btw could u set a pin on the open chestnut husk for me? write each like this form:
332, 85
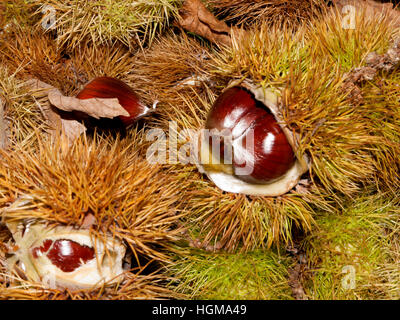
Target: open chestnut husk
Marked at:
246, 147
107, 87
64, 257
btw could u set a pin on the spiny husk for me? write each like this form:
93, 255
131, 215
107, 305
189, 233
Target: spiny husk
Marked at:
62, 183
16, 12
23, 117
29, 53
348, 48
362, 241
162, 71
105, 21
337, 40
337, 135
232, 220
135, 287
382, 110
257, 275
89, 62
247, 12
347, 153
32, 53
129, 198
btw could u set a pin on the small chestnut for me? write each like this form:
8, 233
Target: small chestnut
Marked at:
65, 254
258, 143
107, 87
65, 257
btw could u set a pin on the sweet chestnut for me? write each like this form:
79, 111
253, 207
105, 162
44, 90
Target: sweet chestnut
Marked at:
65, 254
259, 157
107, 87
239, 112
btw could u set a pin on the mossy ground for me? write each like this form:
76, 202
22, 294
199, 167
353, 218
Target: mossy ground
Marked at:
347, 214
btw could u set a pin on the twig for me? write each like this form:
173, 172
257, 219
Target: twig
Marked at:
296, 273
3, 125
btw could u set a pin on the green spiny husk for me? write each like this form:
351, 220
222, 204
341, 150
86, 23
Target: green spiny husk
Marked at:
131, 23
257, 275
362, 242
349, 155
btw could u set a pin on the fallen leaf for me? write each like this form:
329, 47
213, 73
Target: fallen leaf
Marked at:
94, 107
196, 18
71, 128
296, 273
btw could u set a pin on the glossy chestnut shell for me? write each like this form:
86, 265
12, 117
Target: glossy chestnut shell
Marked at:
247, 112
237, 111
107, 87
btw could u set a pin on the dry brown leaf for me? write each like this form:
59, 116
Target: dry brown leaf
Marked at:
94, 107
71, 128
374, 63
196, 18
297, 272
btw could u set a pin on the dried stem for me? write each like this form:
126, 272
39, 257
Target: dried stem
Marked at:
3, 125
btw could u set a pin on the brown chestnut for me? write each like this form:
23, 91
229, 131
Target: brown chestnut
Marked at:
239, 112
65, 254
107, 87
65, 257
247, 115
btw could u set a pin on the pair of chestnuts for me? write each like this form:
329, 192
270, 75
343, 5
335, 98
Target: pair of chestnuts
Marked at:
262, 157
